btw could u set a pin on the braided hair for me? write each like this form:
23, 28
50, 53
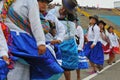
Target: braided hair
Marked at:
6, 5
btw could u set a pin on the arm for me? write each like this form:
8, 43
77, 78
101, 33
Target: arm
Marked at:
59, 26
60, 30
3, 44
96, 34
3, 47
81, 36
35, 22
117, 38
36, 27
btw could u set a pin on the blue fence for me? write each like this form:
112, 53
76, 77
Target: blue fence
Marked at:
113, 19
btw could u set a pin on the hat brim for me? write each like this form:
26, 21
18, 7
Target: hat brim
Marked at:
92, 17
70, 11
102, 23
69, 7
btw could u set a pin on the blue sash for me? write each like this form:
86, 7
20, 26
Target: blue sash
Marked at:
45, 24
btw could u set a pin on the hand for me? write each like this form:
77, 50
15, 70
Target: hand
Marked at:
41, 49
55, 42
86, 39
92, 46
6, 59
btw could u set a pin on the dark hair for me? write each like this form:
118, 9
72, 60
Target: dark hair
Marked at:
94, 25
52, 25
110, 28
96, 19
103, 27
71, 17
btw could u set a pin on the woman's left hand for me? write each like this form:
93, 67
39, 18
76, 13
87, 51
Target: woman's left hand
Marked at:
55, 42
41, 49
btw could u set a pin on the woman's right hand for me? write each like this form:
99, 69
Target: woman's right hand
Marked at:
6, 59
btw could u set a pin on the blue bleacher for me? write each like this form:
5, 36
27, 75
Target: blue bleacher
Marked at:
113, 19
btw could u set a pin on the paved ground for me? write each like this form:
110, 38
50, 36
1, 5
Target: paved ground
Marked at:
112, 73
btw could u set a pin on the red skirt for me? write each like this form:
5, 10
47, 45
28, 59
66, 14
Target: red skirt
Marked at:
106, 49
116, 50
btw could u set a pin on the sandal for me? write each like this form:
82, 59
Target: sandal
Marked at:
109, 63
92, 72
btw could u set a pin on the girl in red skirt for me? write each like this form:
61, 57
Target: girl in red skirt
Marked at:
104, 39
114, 44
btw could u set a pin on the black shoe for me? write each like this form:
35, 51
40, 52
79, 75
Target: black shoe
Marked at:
114, 61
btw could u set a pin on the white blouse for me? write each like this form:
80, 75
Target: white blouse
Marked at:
70, 29
113, 40
80, 34
101, 39
59, 26
55, 11
49, 37
68, 25
1, 5
3, 44
28, 9
94, 34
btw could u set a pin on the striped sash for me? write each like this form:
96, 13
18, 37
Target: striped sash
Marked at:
19, 21
45, 24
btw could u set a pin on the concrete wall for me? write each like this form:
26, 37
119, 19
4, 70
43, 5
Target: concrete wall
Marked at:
117, 4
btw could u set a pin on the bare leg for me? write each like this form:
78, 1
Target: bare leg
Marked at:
111, 58
67, 75
93, 66
78, 74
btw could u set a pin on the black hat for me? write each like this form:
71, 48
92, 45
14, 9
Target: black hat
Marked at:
94, 17
70, 5
76, 19
101, 21
48, 1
